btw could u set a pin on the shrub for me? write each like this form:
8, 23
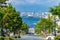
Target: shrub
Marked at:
17, 36
57, 38
9, 38
6, 38
1, 38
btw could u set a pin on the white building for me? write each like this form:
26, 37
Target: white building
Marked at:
31, 30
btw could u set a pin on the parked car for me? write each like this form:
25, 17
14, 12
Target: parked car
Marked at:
50, 37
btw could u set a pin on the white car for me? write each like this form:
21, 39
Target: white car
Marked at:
50, 37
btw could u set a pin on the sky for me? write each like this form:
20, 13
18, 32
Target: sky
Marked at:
33, 5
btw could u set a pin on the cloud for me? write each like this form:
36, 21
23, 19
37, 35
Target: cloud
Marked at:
16, 2
34, 1
34, 4
31, 1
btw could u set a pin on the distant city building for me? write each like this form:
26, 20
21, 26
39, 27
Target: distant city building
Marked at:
34, 14
31, 31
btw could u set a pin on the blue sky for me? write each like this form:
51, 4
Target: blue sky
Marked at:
34, 5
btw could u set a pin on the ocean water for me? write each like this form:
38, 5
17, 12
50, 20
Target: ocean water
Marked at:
31, 21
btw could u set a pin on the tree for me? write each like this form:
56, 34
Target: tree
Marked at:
45, 25
2, 4
25, 27
55, 10
3, 1
11, 18
40, 26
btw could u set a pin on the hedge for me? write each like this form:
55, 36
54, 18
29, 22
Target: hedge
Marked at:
57, 38
9, 38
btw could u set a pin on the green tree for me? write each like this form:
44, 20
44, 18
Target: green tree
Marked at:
24, 27
45, 25
3, 1
55, 10
11, 18
40, 26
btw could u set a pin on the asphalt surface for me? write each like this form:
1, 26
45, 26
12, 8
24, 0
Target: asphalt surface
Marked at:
27, 37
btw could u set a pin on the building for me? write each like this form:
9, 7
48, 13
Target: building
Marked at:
31, 31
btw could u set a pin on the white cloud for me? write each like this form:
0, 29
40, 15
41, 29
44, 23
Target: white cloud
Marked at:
17, 2
31, 1
34, 1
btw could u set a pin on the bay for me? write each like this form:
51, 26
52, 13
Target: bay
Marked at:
31, 21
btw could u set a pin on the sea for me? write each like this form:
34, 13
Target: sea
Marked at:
30, 20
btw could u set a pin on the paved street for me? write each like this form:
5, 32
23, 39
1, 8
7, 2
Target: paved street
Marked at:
26, 37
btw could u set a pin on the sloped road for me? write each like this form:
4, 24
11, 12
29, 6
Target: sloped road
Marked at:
26, 37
